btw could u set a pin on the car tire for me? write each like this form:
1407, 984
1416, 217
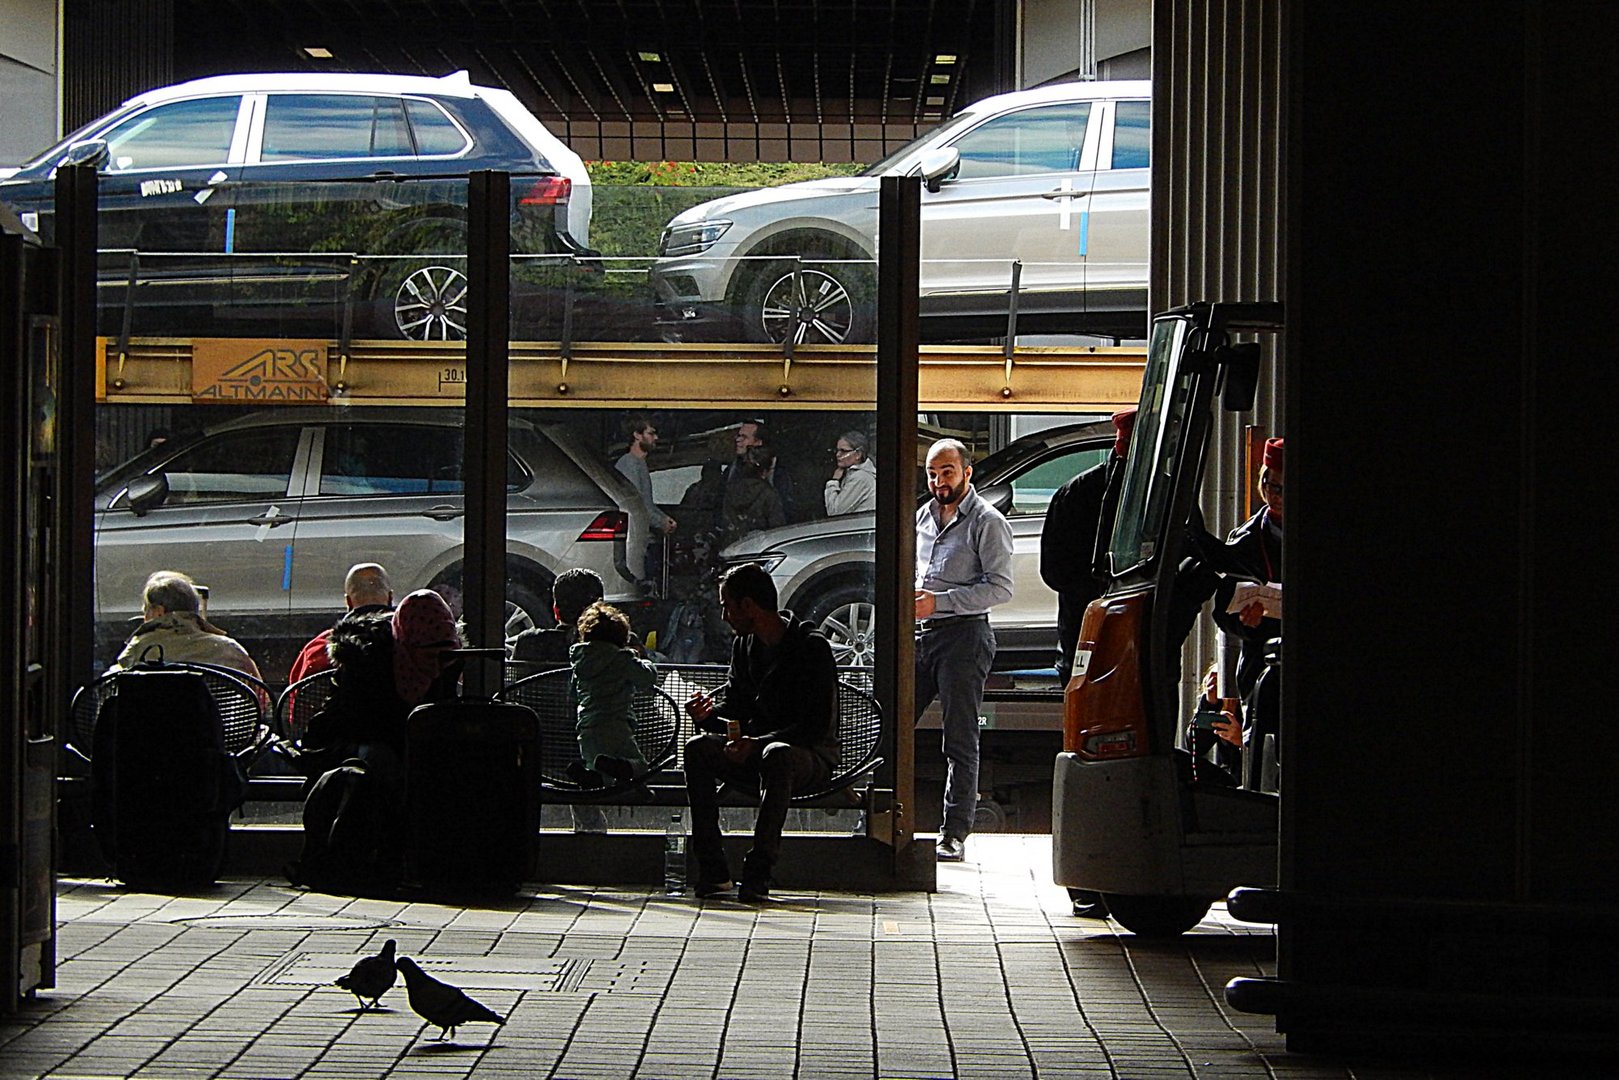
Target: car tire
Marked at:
834, 301
1156, 916
528, 606
526, 609
848, 618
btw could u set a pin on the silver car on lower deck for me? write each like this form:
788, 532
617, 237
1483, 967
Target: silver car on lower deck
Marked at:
271, 509
824, 570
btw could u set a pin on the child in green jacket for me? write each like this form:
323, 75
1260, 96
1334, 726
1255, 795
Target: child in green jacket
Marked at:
607, 673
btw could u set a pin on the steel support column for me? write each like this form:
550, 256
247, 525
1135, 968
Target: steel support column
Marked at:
483, 572
899, 243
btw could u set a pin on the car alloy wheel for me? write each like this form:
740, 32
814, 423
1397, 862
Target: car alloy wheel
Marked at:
819, 311
852, 630
431, 305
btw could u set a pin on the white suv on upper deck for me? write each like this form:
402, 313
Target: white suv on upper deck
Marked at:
1054, 179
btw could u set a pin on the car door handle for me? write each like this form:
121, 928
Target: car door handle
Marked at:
442, 513
272, 520
384, 174
1061, 193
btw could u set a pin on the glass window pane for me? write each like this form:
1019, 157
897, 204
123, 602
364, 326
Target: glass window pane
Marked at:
391, 459
390, 136
180, 135
1031, 492
319, 126
1132, 142
240, 467
1032, 141
435, 133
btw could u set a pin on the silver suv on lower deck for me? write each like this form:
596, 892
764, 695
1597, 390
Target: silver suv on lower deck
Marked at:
823, 569
270, 510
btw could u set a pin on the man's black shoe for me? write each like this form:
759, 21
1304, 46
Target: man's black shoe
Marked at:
705, 890
753, 892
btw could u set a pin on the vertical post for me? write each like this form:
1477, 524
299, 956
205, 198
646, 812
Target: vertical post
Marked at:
898, 328
483, 574
73, 560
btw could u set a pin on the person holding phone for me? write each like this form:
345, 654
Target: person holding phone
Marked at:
776, 732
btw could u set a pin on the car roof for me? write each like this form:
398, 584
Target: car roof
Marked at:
457, 84
1092, 90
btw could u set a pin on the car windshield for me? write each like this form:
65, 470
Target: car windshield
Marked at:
54, 152
949, 127
1154, 449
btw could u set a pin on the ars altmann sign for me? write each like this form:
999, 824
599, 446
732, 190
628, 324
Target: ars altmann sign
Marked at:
239, 370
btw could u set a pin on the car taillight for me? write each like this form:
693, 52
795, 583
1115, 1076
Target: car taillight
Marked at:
609, 525
1104, 710
547, 191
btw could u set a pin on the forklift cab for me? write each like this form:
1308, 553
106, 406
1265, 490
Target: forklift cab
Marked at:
1130, 818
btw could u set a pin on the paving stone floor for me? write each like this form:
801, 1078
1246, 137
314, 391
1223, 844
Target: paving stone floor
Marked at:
989, 977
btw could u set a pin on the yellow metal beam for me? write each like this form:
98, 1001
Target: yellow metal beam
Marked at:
606, 375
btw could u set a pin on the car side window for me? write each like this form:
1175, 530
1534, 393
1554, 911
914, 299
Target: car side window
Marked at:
1132, 138
436, 134
324, 126
181, 134
242, 466
391, 459
1043, 140
1032, 492
399, 459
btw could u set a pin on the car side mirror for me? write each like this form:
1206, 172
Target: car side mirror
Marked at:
999, 496
1240, 364
88, 152
939, 165
146, 493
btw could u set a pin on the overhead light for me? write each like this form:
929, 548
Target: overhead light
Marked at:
935, 101
663, 87
939, 80
932, 116
649, 57
945, 58
317, 52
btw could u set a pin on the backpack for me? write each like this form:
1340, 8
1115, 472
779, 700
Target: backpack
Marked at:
350, 816
162, 786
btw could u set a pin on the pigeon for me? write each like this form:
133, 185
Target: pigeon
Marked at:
440, 1004
371, 976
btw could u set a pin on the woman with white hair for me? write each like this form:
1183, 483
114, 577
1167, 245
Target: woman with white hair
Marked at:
171, 610
853, 487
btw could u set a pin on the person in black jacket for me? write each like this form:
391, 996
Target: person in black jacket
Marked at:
1077, 519
1252, 553
776, 731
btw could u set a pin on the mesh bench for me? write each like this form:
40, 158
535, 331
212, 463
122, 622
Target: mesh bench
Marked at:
239, 697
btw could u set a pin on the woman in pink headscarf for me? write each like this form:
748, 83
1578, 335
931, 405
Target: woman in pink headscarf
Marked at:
424, 634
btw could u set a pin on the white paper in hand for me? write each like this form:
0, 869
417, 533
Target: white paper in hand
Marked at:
1269, 594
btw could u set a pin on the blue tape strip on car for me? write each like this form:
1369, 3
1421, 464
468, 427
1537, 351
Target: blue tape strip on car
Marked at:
230, 231
286, 570
1084, 230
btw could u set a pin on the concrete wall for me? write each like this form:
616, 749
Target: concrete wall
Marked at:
29, 122
1065, 39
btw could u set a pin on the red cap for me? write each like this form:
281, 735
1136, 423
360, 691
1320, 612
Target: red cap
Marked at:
1124, 422
1274, 454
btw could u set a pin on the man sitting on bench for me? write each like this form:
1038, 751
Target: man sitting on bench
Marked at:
776, 731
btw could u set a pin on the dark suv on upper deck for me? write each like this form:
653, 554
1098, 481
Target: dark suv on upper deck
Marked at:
282, 202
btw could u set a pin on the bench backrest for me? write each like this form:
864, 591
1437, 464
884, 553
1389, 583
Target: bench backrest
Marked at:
655, 719
239, 697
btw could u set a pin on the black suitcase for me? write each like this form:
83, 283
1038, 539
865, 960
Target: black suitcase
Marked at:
162, 785
471, 794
